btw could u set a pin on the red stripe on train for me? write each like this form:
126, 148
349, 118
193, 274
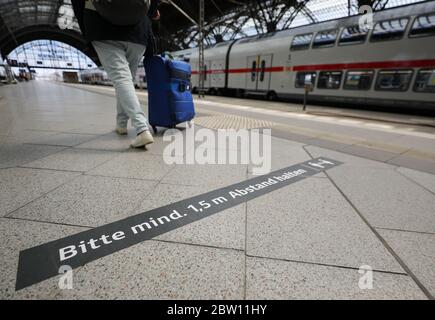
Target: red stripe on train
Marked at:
270, 69
338, 66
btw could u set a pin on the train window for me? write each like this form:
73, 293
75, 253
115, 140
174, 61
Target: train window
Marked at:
301, 42
353, 35
389, 30
425, 81
423, 26
394, 80
254, 71
358, 80
329, 79
263, 70
305, 77
325, 39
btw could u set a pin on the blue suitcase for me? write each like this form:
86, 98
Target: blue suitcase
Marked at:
170, 99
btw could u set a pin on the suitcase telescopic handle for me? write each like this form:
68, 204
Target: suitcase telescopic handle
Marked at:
167, 54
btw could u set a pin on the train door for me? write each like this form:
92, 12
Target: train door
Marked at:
217, 74
207, 74
195, 75
264, 72
252, 75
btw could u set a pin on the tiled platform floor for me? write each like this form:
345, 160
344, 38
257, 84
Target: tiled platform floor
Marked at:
64, 170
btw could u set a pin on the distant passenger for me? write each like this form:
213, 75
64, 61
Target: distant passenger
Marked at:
120, 49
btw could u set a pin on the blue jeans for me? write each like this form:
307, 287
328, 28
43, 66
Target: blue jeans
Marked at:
120, 60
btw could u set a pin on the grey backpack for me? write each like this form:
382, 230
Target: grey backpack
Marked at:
122, 12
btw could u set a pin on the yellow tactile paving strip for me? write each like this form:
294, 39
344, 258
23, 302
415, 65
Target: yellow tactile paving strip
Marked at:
232, 122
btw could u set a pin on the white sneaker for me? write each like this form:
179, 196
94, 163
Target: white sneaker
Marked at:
142, 140
121, 131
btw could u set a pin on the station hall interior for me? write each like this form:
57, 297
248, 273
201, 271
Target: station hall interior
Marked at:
341, 96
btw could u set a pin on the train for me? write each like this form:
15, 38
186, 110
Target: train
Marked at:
97, 76
388, 63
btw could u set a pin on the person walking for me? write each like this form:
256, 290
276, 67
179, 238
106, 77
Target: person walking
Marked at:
120, 49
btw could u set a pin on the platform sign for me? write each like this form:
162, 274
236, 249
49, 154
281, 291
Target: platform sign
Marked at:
44, 261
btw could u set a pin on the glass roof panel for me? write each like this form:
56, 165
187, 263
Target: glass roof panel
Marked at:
17, 14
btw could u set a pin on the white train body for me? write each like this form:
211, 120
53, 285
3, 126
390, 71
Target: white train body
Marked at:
392, 64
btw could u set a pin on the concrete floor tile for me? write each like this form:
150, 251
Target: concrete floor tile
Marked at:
348, 160
164, 140
219, 145
206, 175
421, 143
19, 186
158, 270
64, 139
327, 144
369, 153
310, 221
386, 198
26, 136
16, 154
285, 154
17, 235
2, 139
111, 142
417, 250
283, 134
282, 280
279, 141
424, 179
73, 160
420, 164
136, 164
225, 229
93, 129
47, 125
4, 128
88, 201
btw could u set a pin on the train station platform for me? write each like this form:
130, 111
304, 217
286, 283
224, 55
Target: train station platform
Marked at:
362, 229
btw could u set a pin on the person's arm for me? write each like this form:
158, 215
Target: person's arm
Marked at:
79, 8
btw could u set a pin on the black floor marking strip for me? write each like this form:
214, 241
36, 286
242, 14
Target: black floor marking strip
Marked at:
44, 261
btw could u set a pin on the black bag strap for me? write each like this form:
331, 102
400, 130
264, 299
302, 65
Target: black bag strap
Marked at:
167, 54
